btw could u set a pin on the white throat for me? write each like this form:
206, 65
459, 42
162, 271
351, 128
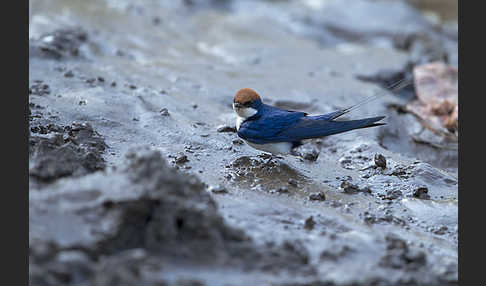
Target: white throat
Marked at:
243, 114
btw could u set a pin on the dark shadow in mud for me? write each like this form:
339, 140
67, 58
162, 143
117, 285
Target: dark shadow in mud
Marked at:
387, 78
275, 175
406, 135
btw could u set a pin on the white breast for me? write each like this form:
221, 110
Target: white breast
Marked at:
242, 114
274, 148
239, 120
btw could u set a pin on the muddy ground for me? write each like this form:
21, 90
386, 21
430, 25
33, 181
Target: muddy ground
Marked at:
138, 178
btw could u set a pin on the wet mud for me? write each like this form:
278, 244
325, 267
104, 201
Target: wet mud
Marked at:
137, 175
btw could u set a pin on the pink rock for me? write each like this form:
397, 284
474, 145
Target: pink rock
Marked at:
436, 87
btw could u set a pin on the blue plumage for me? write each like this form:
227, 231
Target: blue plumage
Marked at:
271, 125
278, 131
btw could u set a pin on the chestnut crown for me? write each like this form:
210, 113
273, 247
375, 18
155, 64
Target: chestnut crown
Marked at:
246, 97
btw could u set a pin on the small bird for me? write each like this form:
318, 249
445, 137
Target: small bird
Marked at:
278, 131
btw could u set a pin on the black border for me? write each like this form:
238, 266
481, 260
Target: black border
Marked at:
470, 194
15, 191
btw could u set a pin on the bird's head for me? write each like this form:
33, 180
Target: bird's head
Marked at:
246, 102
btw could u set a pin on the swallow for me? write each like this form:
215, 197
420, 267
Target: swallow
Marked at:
278, 131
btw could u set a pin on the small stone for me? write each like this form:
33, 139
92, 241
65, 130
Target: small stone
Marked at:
380, 161
219, 189
349, 188
309, 223
113, 84
317, 197
442, 230
90, 80
421, 193
311, 155
238, 142
392, 195
164, 112
293, 182
181, 158
69, 74
226, 128
39, 89
101, 79
282, 190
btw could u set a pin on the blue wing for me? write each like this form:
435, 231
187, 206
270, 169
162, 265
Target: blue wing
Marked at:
267, 124
276, 125
320, 126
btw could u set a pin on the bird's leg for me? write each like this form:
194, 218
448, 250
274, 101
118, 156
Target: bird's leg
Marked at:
269, 160
269, 157
297, 155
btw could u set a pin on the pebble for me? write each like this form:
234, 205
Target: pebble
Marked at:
238, 142
226, 128
317, 197
380, 161
293, 182
219, 189
421, 193
309, 223
164, 112
181, 158
281, 190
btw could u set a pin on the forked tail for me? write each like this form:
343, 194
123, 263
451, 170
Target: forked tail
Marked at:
335, 127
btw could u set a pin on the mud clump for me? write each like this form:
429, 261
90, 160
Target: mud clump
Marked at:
335, 253
59, 44
39, 88
157, 215
54, 267
379, 218
421, 193
350, 188
320, 196
73, 150
174, 215
400, 256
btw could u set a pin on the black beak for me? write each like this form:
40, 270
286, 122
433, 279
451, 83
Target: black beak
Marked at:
237, 105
